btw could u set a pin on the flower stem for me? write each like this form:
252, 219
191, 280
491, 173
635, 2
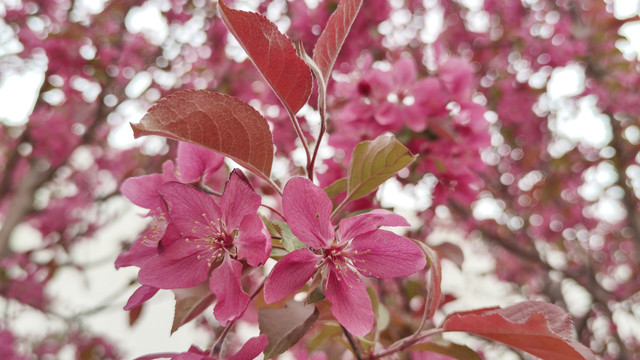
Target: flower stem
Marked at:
352, 342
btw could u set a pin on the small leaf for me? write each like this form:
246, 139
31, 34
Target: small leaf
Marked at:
286, 326
214, 121
374, 162
332, 38
447, 348
435, 279
190, 303
272, 53
539, 328
336, 188
289, 241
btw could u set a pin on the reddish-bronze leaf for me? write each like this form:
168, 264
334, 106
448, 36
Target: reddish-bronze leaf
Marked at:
286, 326
539, 328
215, 121
273, 54
331, 40
190, 303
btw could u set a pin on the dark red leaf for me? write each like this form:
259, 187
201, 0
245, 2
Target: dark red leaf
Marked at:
215, 121
272, 53
539, 328
331, 40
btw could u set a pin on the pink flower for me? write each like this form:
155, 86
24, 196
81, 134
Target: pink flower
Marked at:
213, 234
357, 247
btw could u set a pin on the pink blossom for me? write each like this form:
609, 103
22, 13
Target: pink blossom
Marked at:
357, 247
213, 234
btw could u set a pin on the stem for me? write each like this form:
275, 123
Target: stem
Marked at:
322, 103
215, 351
352, 342
274, 211
296, 126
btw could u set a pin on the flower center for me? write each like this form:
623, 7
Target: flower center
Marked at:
212, 239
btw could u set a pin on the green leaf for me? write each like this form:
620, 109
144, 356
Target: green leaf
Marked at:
285, 327
374, 162
447, 348
336, 188
289, 241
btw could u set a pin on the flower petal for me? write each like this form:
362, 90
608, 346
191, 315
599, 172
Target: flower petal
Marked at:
226, 286
142, 294
364, 223
350, 303
143, 191
196, 162
252, 348
290, 274
253, 241
384, 254
194, 213
239, 199
308, 211
166, 272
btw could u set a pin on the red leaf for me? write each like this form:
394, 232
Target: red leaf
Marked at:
333, 36
539, 328
215, 121
272, 53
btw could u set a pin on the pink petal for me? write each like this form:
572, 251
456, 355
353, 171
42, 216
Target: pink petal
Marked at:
404, 72
384, 254
196, 162
364, 223
142, 294
252, 348
308, 211
350, 303
226, 286
166, 272
290, 274
143, 191
253, 241
194, 213
238, 200
139, 253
